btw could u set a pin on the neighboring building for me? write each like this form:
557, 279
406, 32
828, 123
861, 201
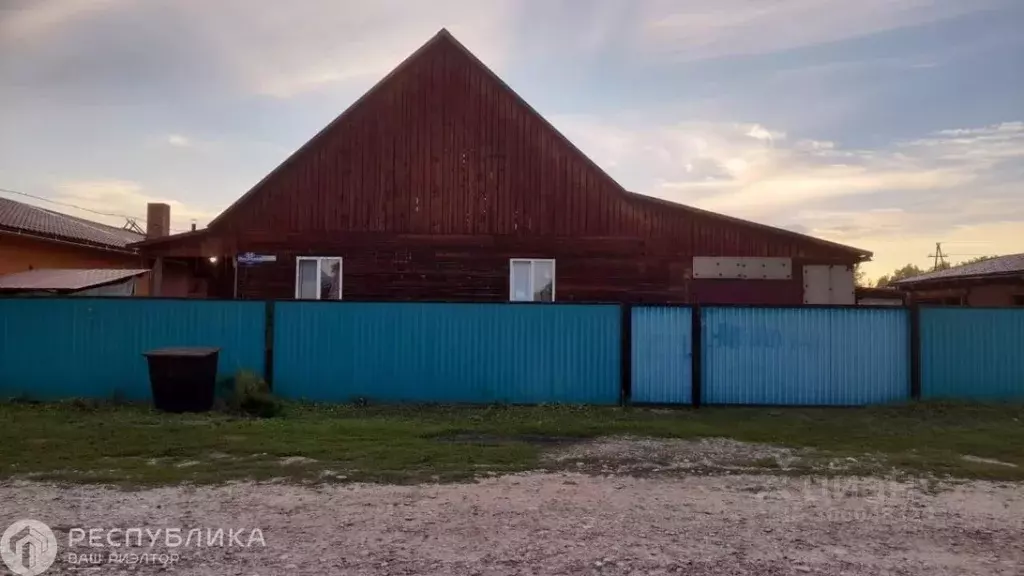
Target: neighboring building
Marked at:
879, 297
33, 238
994, 282
441, 183
54, 247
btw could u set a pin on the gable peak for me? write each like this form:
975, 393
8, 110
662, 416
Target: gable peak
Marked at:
443, 35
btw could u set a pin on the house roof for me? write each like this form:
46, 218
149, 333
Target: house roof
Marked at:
764, 227
36, 221
64, 279
444, 36
170, 238
1012, 264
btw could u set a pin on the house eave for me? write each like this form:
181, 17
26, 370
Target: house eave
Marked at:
928, 283
127, 250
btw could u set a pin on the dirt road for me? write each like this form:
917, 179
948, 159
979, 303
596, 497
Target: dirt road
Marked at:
549, 524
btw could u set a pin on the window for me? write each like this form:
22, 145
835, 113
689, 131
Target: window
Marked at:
532, 280
317, 278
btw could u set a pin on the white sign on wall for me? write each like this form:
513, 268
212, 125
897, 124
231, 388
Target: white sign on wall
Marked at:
711, 267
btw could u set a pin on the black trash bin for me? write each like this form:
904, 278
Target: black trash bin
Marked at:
183, 379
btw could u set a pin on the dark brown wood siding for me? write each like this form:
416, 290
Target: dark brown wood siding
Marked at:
429, 184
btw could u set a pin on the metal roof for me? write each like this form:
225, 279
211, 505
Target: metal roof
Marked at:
64, 278
999, 266
36, 221
796, 236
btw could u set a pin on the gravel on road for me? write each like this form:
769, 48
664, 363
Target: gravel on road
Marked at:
552, 523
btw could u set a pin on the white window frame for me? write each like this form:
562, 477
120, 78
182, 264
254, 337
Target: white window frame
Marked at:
532, 262
319, 263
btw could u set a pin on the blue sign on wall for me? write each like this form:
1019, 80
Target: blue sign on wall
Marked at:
250, 258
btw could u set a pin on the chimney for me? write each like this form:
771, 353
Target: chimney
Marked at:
158, 220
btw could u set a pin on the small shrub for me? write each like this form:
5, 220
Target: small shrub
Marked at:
262, 405
246, 383
250, 395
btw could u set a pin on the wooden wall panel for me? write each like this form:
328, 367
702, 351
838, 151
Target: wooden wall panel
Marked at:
384, 267
441, 148
468, 269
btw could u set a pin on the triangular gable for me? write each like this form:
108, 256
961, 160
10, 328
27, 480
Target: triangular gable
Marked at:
589, 201
516, 115
442, 35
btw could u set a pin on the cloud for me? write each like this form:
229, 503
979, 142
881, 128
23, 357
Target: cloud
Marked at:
896, 200
179, 141
192, 144
30, 20
121, 197
760, 133
285, 50
279, 49
714, 29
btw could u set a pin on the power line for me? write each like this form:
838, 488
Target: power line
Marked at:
940, 257
131, 219
69, 205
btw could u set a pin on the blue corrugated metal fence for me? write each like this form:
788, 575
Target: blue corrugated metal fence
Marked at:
482, 353
475, 353
92, 347
804, 356
662, 355
975, 354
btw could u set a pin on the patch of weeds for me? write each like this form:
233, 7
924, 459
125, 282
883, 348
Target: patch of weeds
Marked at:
250, 395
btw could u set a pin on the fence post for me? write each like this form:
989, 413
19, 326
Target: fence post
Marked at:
626, 342
268, 345
915, 352
695, 354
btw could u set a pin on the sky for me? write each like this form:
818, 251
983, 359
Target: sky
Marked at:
888, 125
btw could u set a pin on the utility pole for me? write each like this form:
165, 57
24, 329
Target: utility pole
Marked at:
939, 256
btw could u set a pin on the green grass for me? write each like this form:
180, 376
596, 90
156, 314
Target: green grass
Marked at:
137, 446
